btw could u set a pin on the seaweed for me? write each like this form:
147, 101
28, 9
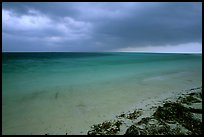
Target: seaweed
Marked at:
179, 113
134, 115
173, 118
189, 100
132, 130
105, 128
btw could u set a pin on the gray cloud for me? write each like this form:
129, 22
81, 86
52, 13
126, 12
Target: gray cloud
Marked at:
98, 26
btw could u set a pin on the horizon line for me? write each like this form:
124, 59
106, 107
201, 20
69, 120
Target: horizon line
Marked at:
99, 51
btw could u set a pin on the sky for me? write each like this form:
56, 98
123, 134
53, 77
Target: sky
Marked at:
102, 27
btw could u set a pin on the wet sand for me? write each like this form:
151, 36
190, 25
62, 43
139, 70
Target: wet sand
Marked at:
59, 93
178, 114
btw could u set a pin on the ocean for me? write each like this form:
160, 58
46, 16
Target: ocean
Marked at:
67, 92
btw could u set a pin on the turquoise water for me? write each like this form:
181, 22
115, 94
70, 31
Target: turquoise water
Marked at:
60, 93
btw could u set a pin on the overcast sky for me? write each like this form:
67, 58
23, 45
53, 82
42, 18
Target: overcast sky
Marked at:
101, 26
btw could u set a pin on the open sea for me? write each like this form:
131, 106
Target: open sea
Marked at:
67, 92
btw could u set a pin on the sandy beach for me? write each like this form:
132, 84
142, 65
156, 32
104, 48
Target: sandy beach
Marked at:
97, 68
67, 93
169, 114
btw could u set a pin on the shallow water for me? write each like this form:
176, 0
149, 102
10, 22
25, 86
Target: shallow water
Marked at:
59, 93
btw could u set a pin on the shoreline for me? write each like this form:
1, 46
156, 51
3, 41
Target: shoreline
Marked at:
66, 93
146, 118
142, 118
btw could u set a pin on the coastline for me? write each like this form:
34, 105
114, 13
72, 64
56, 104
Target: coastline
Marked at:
47, 94
153, 116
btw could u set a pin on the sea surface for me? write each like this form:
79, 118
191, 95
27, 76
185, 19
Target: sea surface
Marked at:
59, 92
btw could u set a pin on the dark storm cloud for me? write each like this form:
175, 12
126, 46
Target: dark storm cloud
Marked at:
99, 26
158, 25
54, 8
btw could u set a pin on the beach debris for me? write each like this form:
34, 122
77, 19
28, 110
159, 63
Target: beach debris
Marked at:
196, 88
121, 115
105, 128
172, 117
189, 99
148, 126
166, 115
177, 112
134, 115
133, 130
